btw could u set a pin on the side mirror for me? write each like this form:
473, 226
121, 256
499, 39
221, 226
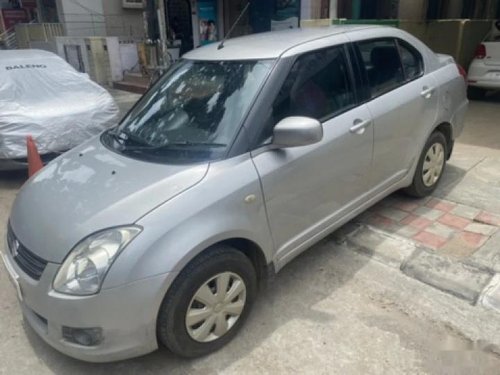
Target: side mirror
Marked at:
297, 131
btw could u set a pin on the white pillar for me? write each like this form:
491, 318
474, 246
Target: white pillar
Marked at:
333, 9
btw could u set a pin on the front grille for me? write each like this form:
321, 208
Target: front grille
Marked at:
30, 263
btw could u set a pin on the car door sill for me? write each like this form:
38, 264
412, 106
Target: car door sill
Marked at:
280, 262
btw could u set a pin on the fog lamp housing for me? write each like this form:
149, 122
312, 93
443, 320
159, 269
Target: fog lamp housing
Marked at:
83, 336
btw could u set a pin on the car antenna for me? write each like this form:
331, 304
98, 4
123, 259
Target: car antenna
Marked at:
221, 45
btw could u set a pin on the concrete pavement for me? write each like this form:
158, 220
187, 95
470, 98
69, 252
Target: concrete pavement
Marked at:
454, 236
358, 302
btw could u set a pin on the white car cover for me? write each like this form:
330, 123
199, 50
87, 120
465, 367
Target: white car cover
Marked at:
43, 96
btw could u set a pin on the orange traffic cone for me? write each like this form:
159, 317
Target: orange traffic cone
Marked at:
34, 159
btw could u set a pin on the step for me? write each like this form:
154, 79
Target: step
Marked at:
136, 78
131, 87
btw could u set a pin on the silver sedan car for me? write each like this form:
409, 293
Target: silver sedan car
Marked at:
163, 230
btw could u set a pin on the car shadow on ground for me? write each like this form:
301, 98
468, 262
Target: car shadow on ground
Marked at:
492, 97
12, 179
481, 122
10, 182
296, 291
293, 296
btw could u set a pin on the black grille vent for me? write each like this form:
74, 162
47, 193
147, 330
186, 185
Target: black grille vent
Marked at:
30, 263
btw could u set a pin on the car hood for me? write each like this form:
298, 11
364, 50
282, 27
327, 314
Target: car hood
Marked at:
88, 189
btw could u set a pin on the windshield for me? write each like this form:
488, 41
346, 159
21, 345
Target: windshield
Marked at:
192, 114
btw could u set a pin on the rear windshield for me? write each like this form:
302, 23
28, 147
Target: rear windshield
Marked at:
493, 38
494, 34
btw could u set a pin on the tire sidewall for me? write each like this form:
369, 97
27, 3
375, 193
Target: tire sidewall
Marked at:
171, 321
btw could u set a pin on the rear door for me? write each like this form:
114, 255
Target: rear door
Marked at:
308, 188
402, 101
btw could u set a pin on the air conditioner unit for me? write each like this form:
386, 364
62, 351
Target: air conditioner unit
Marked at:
132, 4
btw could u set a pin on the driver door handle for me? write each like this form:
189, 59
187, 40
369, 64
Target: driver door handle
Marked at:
359, 126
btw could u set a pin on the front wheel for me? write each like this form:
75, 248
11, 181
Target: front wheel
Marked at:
207, 303
430, 166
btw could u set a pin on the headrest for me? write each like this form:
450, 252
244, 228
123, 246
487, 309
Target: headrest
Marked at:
386, 56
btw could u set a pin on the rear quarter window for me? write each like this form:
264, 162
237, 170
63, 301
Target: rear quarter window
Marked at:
412, 61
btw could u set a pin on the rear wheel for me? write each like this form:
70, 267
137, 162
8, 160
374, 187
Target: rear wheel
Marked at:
430, 166
208, 302
475, 93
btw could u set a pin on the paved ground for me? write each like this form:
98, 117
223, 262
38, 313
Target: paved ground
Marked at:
358, 302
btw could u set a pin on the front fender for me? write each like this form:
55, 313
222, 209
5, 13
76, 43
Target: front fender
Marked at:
212, 211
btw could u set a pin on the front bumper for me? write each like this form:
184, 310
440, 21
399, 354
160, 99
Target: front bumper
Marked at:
126, 314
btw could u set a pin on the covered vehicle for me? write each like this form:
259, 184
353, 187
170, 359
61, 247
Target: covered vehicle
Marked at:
43, 96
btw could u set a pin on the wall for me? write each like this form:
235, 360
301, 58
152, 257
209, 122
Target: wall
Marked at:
412, 9
82, 17
121, 21
473, 34
101, 57
458, 38
454, 10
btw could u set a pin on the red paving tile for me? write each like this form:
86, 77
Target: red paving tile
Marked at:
405, 205
430, 240
454, 221
441, 205
416, 221
487, 218
473, 239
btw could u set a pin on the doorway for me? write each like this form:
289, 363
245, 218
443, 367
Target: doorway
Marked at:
179, 22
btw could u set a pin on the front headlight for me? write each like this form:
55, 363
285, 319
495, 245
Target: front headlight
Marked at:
83, 271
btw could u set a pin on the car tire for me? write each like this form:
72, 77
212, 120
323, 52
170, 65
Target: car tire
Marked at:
475, 93
430, 168
215, 268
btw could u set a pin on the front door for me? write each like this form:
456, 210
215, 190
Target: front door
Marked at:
306, 189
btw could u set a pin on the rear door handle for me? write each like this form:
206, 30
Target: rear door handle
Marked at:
427, 92
359, 126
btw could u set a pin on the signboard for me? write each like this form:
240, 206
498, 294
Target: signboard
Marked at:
11, 17
207, 16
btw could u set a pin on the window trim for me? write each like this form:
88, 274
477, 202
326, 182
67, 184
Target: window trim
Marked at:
409, 47
365, 83
351, 74
350, 77
352, 85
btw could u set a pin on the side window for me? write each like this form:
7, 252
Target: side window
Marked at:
382, 64
317, 86
412, 60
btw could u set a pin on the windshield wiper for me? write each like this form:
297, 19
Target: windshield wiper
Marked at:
174, 145
117, 136
123, 137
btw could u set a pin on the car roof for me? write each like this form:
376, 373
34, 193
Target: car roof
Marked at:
268, 45
24, 55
